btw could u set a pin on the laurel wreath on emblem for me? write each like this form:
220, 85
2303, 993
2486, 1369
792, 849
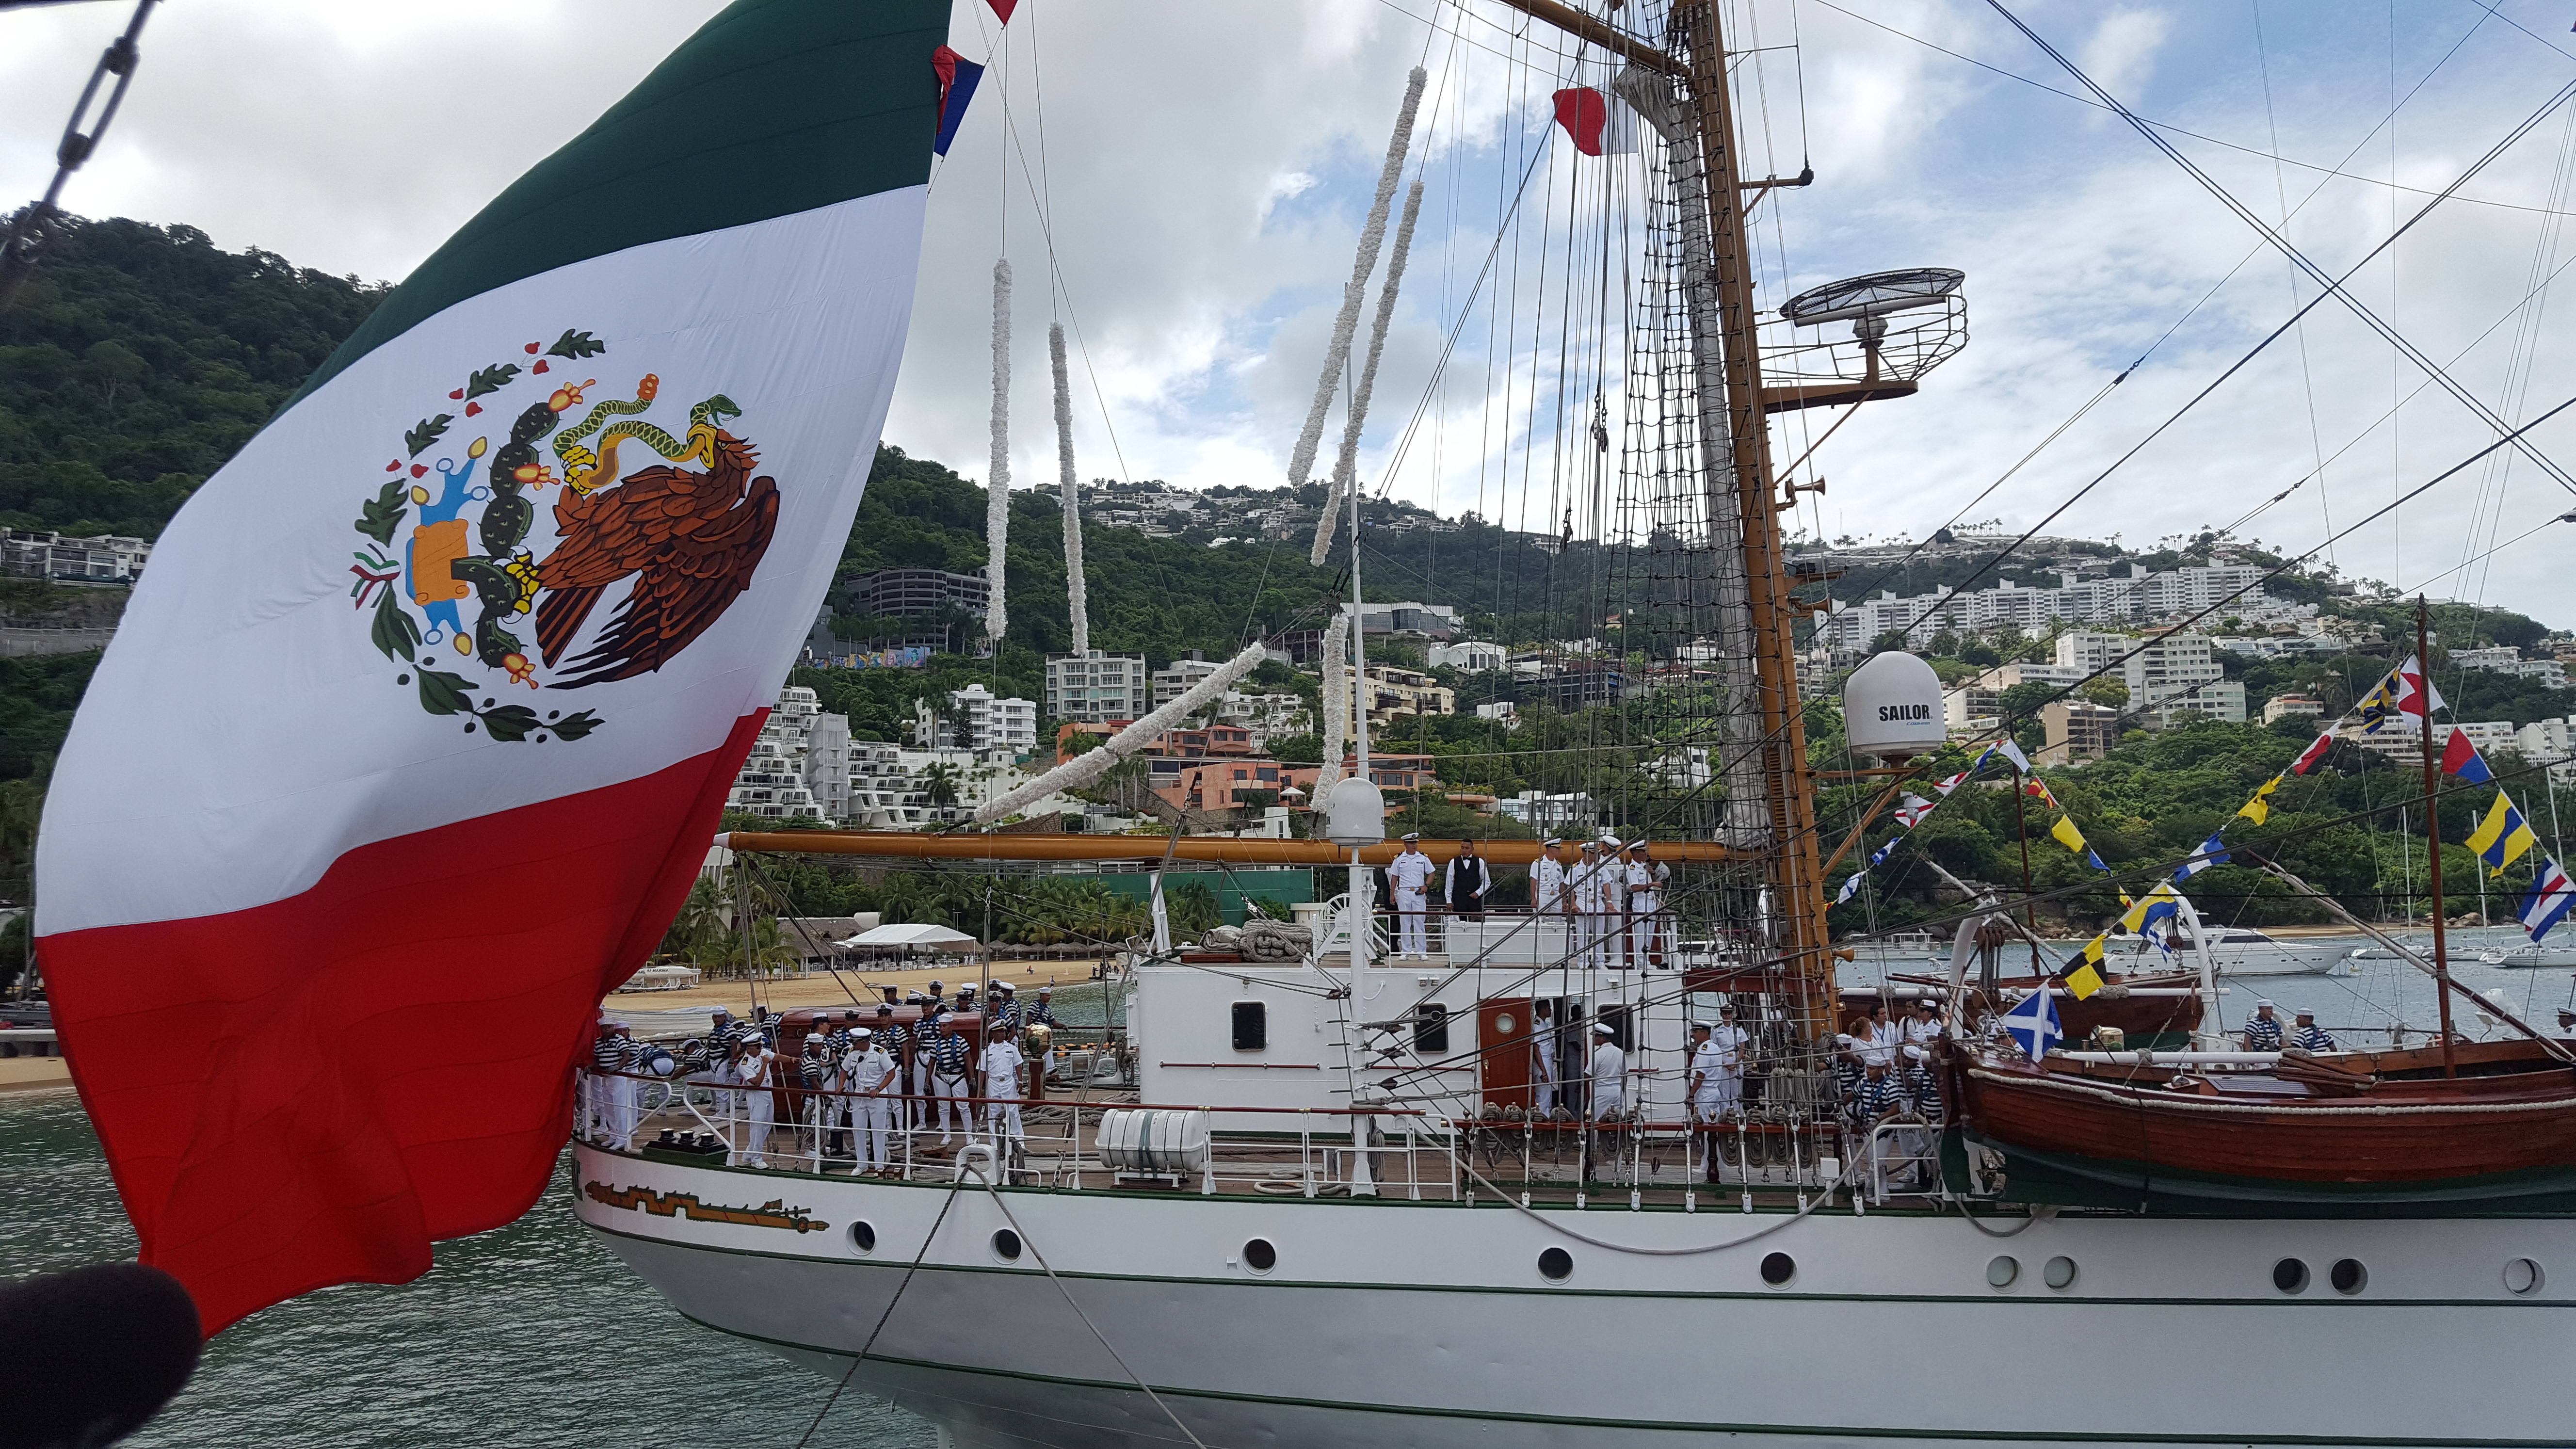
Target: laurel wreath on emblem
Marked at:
683, 542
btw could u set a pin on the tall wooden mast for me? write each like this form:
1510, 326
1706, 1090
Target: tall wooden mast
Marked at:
1792, 867
1767, 747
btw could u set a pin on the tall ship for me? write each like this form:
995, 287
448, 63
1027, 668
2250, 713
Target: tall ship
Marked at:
1644, 1163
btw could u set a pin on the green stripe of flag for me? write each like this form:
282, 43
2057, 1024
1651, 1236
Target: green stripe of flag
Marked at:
772, 108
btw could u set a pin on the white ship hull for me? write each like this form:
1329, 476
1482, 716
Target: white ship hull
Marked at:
1399, 1323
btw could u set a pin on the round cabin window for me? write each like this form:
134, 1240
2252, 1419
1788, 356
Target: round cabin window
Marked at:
863, 1236
1556, 1265
1503, 1024
2348, 1276
1260, 1256
1778, 1269
2001, 1272
1006, 1246
2290, 1276
2059, 1273
2522, 1277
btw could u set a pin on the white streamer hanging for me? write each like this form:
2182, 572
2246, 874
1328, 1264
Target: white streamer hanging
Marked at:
1337, 701
1082, 770
1075, 589
1346, 464
1372, 236
997, 476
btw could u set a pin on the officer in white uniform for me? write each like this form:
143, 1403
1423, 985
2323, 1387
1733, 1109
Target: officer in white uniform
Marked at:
869, 1074
1002, 1087
1584, 884
1547, 879
1726, 1083
1543, 1057
1645, 878
751, 1072
1409, 879
1609, 1072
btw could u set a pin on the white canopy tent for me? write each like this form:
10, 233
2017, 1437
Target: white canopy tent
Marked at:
926, 937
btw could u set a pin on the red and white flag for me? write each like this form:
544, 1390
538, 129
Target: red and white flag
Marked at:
415, 732
1599, 123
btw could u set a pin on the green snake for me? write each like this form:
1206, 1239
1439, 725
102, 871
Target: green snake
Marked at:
579, 461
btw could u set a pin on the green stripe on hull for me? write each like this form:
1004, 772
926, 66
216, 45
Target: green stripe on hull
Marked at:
772, 108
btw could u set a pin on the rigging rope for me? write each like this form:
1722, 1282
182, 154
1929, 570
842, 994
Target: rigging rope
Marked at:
1077, 586
997, 479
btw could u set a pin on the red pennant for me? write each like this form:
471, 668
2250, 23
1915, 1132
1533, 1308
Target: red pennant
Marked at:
1003, 8
1583, 111
2308, 757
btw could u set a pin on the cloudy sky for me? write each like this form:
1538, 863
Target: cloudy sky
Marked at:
1182, 183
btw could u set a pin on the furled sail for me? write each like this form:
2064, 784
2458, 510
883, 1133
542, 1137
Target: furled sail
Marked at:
418, 726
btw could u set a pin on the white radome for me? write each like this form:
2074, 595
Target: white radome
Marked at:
1892, 707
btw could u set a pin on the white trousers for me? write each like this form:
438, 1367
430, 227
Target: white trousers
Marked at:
1542, 1083
1645, 931
951, 1092
621, 1110
872, 1123
1594, 929
1001, 1115
1606, 1099
763, 1115
1412, 937
919, 1108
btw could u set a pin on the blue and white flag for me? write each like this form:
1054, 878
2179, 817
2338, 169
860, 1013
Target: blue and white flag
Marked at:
2212, 851
2548, 900
2034, 1023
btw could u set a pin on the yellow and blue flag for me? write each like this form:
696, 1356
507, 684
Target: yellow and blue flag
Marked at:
2503, 838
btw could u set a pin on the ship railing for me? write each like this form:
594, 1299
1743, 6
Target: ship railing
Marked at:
1337, 931
1309, 1152
1901, 1155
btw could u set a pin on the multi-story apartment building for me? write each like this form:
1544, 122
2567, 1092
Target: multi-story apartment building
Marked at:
2292, 706
2505, 659
2550, 741
1468, 654
2136, 597
975, 719
1263, 716
911, 593
107, 559
1183, 676
2177, 677
1390, 692
772, 781
1096, 687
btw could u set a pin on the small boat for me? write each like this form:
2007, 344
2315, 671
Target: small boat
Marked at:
2320, 1133
2526, 957
2158, 1012
2244, 951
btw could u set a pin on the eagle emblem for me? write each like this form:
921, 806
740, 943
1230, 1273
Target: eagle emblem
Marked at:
452, 575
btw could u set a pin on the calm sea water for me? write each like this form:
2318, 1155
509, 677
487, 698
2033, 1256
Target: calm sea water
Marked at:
530, 1335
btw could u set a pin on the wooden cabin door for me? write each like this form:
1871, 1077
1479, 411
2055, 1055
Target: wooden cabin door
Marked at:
1503, 1051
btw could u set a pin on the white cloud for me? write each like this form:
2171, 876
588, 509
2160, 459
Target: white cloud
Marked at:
1204, 170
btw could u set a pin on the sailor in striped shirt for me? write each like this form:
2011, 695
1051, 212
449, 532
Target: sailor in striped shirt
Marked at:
606, 1055
1003, 1011
948, 1059
1926, 1084
1878, 1095
2311, 1037
2263, 1033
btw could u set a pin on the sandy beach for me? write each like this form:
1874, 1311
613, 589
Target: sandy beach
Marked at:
842, 988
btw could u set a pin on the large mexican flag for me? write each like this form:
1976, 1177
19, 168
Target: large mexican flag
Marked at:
419, 722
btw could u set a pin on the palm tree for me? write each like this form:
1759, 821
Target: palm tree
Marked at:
940, 783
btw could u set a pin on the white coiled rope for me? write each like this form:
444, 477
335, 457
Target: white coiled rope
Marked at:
1076, 593
1346, 464
1082, 770
997, 476
1337, 702
1346, 324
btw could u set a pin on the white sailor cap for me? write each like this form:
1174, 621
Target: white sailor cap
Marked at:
1605, 1028
1004, 986
2306, 1011
1551, 842
2260, 1003
1726, 1008
1702, 1026
1592, 847
860, 1033
1410, 836
1609, 840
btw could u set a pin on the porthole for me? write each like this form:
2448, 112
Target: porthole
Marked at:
2522, 1277
1006, 1246
863, 1236
1259, 1256
2348, 1276
2059, 1273
1778, 1269
2001, 1272
1504, 1025
2290, 1276
1556, 1265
